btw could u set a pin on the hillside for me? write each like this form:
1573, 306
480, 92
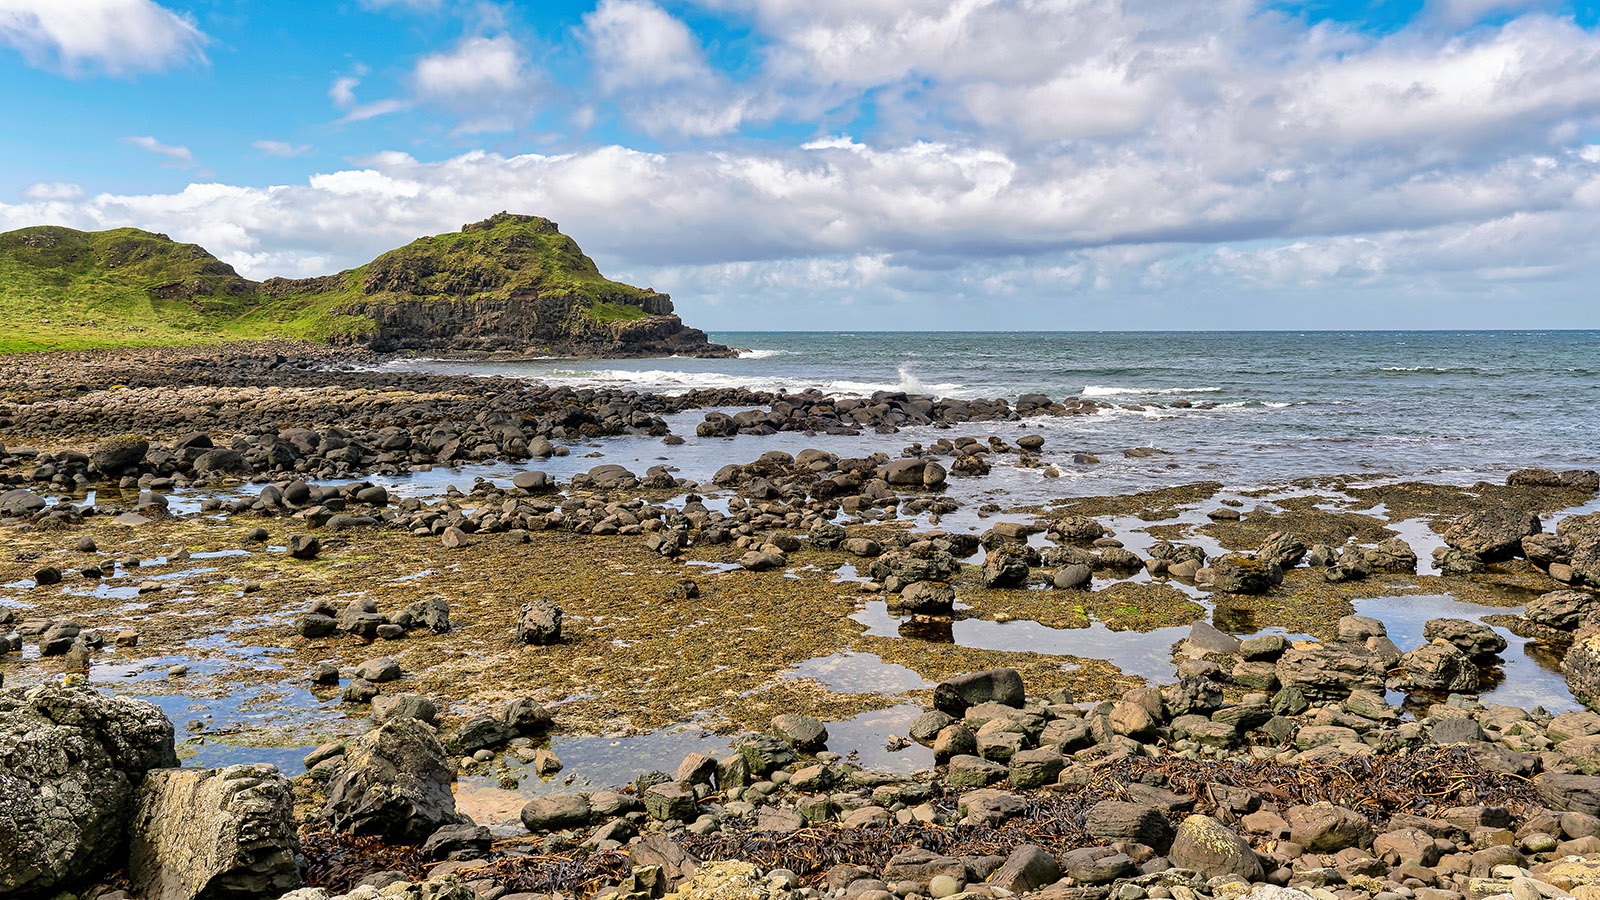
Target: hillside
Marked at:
508, 284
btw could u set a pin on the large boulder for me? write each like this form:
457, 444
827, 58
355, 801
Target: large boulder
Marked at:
1212, 848
1563, 609
1477, 640
1235, 574
395, 784
1283, 549
71, 759
539, 622
1004, 567
1493, 533
211, 833
1438, 666
116, 455
1002, 686
1582, 668
1330, 673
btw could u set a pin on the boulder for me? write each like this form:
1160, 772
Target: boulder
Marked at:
1327, 673
1004, 567
1582, 668
395, 784
1212, 848
1235, 574
1002, 686
1283, 549
806, 733
73, 758
1028, 868
116, 455
1563, 609
924, 598
1476, 640
1324, 828
1438, 666
539, 623
1119, 820
1492, 534
210, 833
1391, 555
556, 812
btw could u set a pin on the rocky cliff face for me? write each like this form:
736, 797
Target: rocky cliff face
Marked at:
544, 325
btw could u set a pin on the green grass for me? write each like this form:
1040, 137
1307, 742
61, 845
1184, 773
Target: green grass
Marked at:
67, 289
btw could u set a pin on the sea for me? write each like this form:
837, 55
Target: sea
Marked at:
1267, 407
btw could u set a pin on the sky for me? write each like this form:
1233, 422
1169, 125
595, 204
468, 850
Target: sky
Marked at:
856, 164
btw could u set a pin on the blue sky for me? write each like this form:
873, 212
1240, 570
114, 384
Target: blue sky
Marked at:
856, 163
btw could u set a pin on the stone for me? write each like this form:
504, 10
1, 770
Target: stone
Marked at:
555, 813
1004, 567
1235, 574
115, 455
458, 842
1031, 769
1321, 674
379, 670
764, 753
806, 733
1282, 549
973, 771
1028, 868
924, 598
1407, 845
526, 716
403, 706
1325, 828
1563, 609
539, 623
955, 695
74, 759
656, 849
1477, 641
208, 833
670, 800
1492, 534
303, 546
395, 784
1212, 848
1438, 666
1119, 820
1207, 638
1097, 865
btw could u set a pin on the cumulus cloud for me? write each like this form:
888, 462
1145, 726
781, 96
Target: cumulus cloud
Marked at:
112, 37
475, 66
635, 43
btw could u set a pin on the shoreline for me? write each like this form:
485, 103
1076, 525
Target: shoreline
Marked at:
254, 583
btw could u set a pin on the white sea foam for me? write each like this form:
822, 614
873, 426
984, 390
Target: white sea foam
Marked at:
1095, 390
763, 354
670, 381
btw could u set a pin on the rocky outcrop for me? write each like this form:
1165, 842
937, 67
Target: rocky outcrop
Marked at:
71, 760
546, 325
213, 833
395, 784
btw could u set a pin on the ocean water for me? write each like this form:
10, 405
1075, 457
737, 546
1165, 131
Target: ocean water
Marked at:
1454, 406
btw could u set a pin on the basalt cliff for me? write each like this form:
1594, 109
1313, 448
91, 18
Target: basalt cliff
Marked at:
510, 284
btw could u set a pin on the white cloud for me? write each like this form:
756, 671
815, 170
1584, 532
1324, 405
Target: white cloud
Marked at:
635, 43
113, 37
343, 91
52, 190
475, 66
281, 148
178, 156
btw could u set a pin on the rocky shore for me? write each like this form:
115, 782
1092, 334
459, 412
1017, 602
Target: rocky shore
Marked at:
1220, 694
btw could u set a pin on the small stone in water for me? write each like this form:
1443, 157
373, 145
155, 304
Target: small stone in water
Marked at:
178, 671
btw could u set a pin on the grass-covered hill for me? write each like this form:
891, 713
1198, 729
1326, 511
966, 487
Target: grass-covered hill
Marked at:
507, 283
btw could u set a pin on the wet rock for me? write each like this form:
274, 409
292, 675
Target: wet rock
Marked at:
1118, 820
403, 706
480, 732
555, 813
378, 670
1283, 549
1097, 865
1235, 574
395, 784
74, 758
1212, 848
1582, 668
116, 455
315, 625
925, 598
1391, 555
1321, 674
1451, 561
526, 717
668, 801
1031, 769
1004, 567
763, 753
1439, 666
303, 546
1356, 629
1492, 534
458, 842
806, 733
1476, 640
1072, 577
1563, 609
204, 833
1002, 686
539, 623
1325, 828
